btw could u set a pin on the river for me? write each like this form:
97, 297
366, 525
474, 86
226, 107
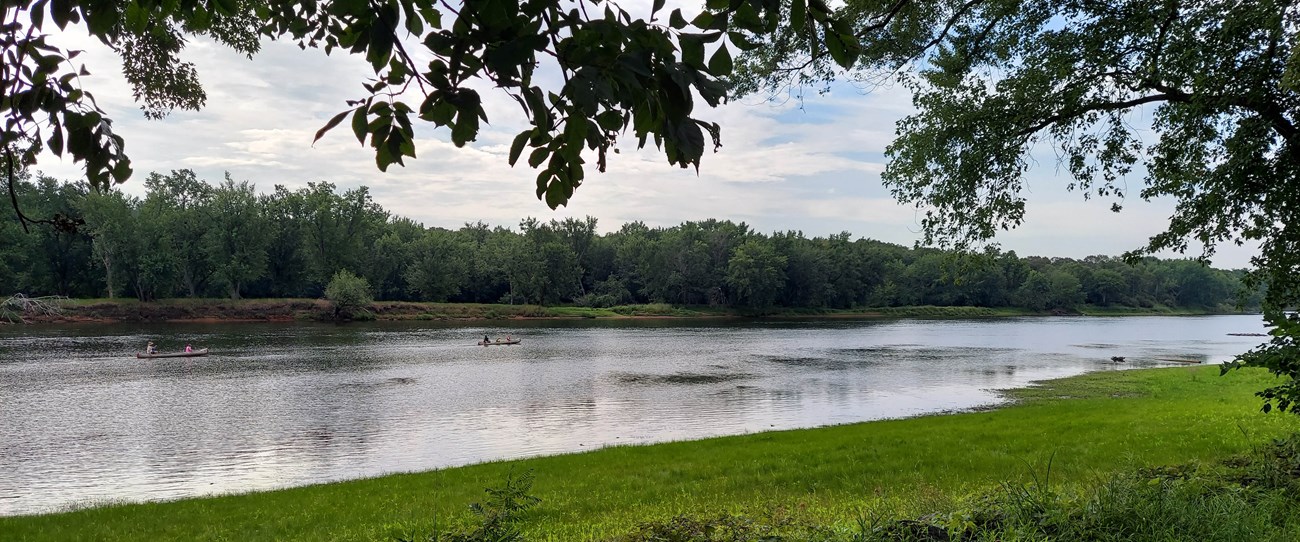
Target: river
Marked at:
83, 422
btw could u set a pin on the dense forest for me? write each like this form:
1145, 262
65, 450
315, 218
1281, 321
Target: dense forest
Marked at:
189, 238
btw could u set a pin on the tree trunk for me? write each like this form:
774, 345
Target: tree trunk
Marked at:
188, 276
108, 274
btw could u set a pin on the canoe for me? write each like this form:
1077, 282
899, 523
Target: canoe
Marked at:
491, 343
199, 352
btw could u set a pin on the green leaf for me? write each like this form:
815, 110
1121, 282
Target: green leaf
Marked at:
62, 11
227, 7
690, 141
439, 112
575, 130
56, 140
360, 125
610, 120
658, 5
37, 13
555, 195
720, 65
466, 127
703, 20
136, 18
517, 147
100, 21
413, 23
543, 178
742, 42
835, 45
676, 20
798, 15
122, 170
380, 49
692, 50
329, 125
383, 156
398, 145
538, 156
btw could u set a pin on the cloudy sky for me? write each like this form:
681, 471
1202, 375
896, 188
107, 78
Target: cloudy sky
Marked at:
812, 166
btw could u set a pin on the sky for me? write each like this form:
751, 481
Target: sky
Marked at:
811, 165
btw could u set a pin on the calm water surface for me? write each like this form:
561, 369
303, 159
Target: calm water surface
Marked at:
82, 421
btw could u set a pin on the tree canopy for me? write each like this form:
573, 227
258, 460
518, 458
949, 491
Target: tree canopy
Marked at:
187, 237
1199, 99
618, 72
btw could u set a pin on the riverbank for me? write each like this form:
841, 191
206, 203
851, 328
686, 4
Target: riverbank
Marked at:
1073, 432
272, 310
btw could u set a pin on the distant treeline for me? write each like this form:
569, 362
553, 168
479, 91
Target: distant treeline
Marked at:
188, 238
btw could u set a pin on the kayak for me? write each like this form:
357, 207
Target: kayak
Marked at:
199, 352
490, 343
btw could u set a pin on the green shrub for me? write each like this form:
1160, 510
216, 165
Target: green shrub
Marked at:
349, 295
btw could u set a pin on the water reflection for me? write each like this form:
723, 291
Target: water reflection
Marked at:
279, 405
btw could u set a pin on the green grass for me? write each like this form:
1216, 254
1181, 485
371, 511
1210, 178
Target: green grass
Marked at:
581, 312
667, 310
1088, 426
1159, 310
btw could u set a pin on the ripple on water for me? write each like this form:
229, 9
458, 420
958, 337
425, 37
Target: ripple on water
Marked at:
275, 405
679, 378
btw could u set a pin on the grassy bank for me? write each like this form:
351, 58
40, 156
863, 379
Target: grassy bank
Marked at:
1087, 427
1096, 310
186, 309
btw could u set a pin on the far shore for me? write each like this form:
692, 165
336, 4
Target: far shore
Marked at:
195, 310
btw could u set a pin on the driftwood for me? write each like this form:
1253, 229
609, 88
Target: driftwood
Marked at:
18, 306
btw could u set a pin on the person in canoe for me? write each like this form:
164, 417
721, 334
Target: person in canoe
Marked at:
188, 348
486, 340
150, 348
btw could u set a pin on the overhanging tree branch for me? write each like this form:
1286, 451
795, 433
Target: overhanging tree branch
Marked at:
1099, 106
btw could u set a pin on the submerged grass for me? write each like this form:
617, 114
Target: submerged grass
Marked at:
836, 478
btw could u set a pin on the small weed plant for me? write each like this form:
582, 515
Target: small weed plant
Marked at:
498, 518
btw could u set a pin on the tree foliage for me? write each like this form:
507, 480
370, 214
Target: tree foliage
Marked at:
756, 273
44, 105
268, 245
619, 72
996, 80
348, 293
236, 239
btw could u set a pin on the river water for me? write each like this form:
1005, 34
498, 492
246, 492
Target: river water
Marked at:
83, 422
